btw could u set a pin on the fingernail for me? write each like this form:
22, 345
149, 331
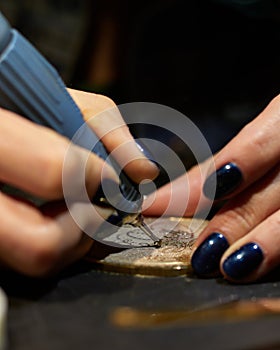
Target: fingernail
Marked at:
147, 153
206, 258
223, 182
243, 262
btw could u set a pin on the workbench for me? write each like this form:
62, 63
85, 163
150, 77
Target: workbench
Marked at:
72, 311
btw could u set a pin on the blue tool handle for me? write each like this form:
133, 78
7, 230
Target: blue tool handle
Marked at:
30, 86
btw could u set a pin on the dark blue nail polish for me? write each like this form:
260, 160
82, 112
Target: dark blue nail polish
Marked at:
226, 180
147, 153
206, 258
244, 261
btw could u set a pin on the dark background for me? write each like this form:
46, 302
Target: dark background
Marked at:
215, 61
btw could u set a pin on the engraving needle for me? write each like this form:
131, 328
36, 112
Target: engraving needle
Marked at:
139, 222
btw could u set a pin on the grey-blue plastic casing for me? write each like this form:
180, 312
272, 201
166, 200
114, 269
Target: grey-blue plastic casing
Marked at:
31, 87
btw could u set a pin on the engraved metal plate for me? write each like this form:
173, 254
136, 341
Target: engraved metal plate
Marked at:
177, 236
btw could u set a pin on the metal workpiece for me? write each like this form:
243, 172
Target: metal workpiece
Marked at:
169, 257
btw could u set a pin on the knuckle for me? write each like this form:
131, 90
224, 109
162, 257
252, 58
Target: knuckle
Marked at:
259, 141
105, 101
51, 165
246, 216
74, 172
95, 108
42, 257
276, 101
274, 108
242, 217
260, 138
42, 262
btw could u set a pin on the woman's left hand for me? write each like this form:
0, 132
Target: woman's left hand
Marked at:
243, 239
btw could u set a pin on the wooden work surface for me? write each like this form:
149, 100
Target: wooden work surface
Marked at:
72, 312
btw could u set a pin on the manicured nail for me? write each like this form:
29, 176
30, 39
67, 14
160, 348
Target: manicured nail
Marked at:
206, 258
244, 261
226, 180
147, 153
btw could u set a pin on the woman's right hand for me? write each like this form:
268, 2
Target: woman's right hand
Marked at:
38, 241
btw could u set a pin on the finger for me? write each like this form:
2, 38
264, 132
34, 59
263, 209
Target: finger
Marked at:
255, 254
32, 159
235, 220
103, 116
37, 244
182, 196
252, 153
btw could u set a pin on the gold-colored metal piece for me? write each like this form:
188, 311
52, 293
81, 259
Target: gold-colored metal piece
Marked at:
171, 258
235, 311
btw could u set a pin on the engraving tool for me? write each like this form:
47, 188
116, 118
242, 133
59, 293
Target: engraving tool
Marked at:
31, 87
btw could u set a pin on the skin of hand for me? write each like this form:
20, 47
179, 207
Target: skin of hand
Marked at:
40, 241
242, 240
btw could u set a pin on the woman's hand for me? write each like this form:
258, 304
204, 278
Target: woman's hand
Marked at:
37, 241
243, 239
